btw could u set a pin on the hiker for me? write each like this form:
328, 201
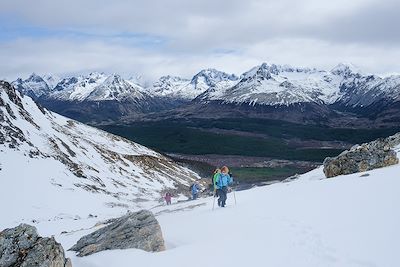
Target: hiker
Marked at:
168, 197
222, 182
214, 182
195, 188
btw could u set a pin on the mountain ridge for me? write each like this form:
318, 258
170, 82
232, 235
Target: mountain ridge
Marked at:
342, 89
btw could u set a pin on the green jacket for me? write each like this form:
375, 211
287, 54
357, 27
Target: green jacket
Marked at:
215, 180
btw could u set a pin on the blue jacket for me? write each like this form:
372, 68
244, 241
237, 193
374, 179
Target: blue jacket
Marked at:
195, 188
223, 179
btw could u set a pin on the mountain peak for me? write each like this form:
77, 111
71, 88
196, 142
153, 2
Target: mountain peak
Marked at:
262, 71
210, 77
115, 88
114, 78
169, 78
345, 69
34, 86
34, 78
96, 74
138, 80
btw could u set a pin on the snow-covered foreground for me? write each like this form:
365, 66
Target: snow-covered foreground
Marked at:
350, 220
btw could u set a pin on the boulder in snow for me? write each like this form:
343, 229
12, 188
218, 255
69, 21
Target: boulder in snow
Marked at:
22, 246
134, 230
368, 156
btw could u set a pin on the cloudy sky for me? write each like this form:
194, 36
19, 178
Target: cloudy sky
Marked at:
178, 37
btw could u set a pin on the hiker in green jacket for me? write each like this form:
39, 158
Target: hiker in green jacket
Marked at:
214, 180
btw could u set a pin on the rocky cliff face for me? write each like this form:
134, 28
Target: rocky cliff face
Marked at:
360, 158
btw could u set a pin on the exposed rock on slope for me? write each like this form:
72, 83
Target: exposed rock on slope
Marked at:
134, 230
22, 246
368, 156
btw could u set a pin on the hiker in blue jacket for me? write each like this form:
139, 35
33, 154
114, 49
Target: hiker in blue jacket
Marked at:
222, 182
195, 190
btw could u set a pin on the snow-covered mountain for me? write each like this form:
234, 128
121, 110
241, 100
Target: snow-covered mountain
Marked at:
270, 84
77, 88
95, 96
51, 80
138, 80
305, 95
51, 166
116, 88
34, 86
281, 89
179, 88
97, 87
363, 92
92, 87
170, 86
211, 77
266, 84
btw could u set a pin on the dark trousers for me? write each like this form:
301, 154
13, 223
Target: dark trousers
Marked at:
222, 196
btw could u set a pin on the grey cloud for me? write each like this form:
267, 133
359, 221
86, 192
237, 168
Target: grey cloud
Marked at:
376, 23
309, 33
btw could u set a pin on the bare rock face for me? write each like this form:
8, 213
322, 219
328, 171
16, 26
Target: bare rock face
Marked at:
368, 156
393, 140
23, 247
134, 230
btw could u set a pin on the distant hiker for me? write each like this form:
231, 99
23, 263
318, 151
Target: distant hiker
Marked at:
222, 182
195, 188
214, 182
168, 197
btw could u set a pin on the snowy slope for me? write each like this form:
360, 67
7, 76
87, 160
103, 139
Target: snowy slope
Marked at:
349, 221
51, 166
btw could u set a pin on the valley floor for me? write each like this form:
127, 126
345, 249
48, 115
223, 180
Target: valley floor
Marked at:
350, 220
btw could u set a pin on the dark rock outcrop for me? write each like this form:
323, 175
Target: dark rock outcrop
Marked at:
134, 230
360, 158
22, 246
12, 93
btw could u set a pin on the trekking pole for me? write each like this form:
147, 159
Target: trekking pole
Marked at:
213, 202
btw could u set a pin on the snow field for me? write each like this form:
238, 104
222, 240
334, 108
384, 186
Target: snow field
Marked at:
344, 221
